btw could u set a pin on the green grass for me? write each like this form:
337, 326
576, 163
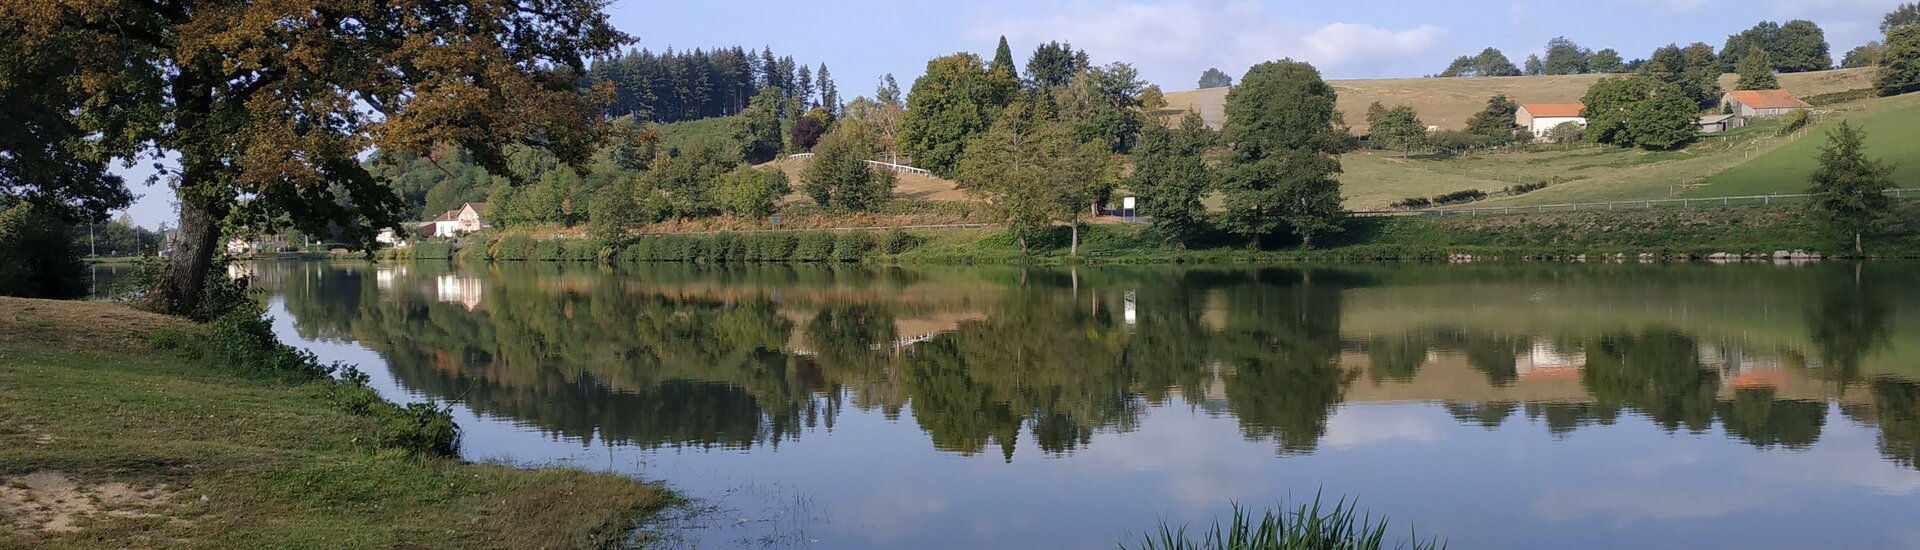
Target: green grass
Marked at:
236, 462
1306, 527
1749, 161
1892, 129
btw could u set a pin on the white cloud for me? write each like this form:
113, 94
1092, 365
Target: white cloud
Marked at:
1172, 41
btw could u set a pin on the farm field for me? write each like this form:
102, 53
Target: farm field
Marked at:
1750, 161
1449, 102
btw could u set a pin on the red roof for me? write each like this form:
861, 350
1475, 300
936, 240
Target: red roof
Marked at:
1553, 110
1767, 99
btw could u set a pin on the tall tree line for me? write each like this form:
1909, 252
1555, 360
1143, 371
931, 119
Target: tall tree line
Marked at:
675, 86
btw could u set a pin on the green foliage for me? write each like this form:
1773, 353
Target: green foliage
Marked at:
1666, 121
242, 341
1282, 170
946, 108
1534, 66
37, 260
815, 246
852, 246
751, 192
758, 127
513, 247
1900, 62
421, 429
1902, 15
683, 184
1496, 122
549, 250
1849, 188
1692, 71
1490, 62
1797, 46
1400, 128
431, 250
1213, 78
1306, 527
1793, 122
1054, 64
1565, 57
1611, 104
1864, 55
1756, 72
614, 212
1567, 133
1171, 176
840, 176
1103, 103
897, 241
1036, 171
1606, 61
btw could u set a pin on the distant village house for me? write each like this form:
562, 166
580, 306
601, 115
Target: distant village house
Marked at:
1761, 103
1541, 118
457, 222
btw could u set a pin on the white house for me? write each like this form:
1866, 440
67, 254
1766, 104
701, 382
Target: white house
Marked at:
389, 237
1541, 118
1762, 103
465, 219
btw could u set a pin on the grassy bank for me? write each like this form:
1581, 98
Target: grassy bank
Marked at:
1666, 233
105, 442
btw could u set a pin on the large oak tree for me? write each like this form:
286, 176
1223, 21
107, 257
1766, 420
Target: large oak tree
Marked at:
268, 105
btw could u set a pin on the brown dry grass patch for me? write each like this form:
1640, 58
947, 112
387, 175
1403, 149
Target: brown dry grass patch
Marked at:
78, 325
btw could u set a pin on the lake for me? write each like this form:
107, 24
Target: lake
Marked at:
1494, 406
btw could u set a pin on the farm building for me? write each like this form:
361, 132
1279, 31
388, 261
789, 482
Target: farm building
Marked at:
1715, 124
1762, 103
1541, 118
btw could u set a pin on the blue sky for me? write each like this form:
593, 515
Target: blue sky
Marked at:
1172, 41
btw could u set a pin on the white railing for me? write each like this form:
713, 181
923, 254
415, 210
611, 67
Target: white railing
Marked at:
883, 164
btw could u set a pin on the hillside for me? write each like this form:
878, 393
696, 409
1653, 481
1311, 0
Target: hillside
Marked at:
1449, 102
909, 187
1749, 161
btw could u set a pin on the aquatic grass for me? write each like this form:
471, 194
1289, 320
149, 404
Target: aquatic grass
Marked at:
1305, 527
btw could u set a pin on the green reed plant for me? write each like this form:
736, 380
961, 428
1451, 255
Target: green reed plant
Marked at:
1305, 527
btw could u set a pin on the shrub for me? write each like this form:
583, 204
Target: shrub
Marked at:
897, 241
1411, 203
514, 247
1456, 197
430, 250
813, 246
852, 246
1524, 188
242, 341
1793, 122
420, 429
1305, 526
549, 250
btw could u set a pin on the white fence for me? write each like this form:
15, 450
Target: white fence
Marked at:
1621, 205
887, 165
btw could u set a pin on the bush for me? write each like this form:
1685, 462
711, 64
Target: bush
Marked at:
420, 429
852, 246
1524, 188
242, 341
1793, 122
897, 241
549, 250
513, 247
813, 246
430, 250
1411, 203
1456, 197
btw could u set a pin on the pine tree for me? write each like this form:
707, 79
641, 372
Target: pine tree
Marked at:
804, 94
829, 93
1850, 189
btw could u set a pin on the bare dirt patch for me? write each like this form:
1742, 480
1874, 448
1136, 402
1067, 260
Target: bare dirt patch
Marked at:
50, 501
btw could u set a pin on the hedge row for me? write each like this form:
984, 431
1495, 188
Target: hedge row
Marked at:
812, 246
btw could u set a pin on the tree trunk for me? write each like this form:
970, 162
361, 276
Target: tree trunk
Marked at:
191, 258
1858, 251
1073, 249
1023, 244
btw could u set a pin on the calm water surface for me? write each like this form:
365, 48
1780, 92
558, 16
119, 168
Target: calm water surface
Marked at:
1517, 406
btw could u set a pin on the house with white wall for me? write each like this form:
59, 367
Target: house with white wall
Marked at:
1541, 118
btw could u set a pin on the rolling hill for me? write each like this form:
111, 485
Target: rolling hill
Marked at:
1449, 102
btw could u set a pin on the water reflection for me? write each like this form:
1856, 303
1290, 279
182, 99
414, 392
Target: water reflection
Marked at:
736, 357
1016, 365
